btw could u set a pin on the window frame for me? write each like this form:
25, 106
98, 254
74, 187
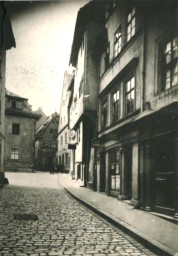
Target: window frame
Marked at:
103, 102
14, 153
115, 91
164, 67
129, 78
129, 23
15, 129
117, 41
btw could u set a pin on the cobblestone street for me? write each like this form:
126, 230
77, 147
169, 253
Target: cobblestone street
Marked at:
63, 227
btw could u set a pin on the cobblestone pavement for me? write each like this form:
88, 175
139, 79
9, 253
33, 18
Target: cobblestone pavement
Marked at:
64, 226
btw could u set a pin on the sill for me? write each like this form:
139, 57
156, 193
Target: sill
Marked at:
129, 116
123, 50
166, 93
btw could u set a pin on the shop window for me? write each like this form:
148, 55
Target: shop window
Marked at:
130, 96
117, 42
168, 53
131, 24
104, 107
116, 105
15, 129
115, 169
14, 153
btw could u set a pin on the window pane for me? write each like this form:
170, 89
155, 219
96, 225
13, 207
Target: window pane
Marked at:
129, 17
168, 47
175, 48
175, 75
133, 12
132, 94
133, 31
168, 57
128, 86
132, 82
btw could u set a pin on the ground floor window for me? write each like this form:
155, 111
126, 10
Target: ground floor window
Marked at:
115, 169
14, 153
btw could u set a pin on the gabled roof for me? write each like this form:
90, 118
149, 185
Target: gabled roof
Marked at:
44, 126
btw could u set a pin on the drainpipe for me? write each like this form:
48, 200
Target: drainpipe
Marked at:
144, 62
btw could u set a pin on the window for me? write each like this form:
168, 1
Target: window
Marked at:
130, 95
78, 134
14, 153
107, 56
66, 138
61, 140
81, 87
15, 129
168, 63
116, 106
131, 24
117, 42
13, 104
104, 107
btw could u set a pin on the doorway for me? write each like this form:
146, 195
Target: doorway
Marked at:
164, 176
102, 172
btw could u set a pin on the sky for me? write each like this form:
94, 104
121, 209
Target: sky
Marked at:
43, 32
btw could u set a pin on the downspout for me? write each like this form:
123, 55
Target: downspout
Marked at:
144, 62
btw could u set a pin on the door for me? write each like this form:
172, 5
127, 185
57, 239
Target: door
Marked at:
128, 172
164, 176
114, 170
102, 172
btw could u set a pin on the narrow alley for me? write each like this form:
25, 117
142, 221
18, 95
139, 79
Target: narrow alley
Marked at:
63, 227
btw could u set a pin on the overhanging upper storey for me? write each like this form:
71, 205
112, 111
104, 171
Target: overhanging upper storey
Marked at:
93, 11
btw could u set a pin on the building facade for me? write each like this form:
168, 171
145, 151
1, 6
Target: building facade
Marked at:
138, 93
123, 102
7, 41
63, 153
83, 92
19, 134
46, 144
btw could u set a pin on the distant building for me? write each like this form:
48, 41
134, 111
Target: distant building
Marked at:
7, 41
63, 153
46, 144
42, 119
19, 134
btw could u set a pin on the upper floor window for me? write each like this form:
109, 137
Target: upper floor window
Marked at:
117, 42
131, 24
66, 138
81, 87
13, 104
107, 55
14, 153
15, 129
61, 140
130, 96
168, 63
116, 106
104, 107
